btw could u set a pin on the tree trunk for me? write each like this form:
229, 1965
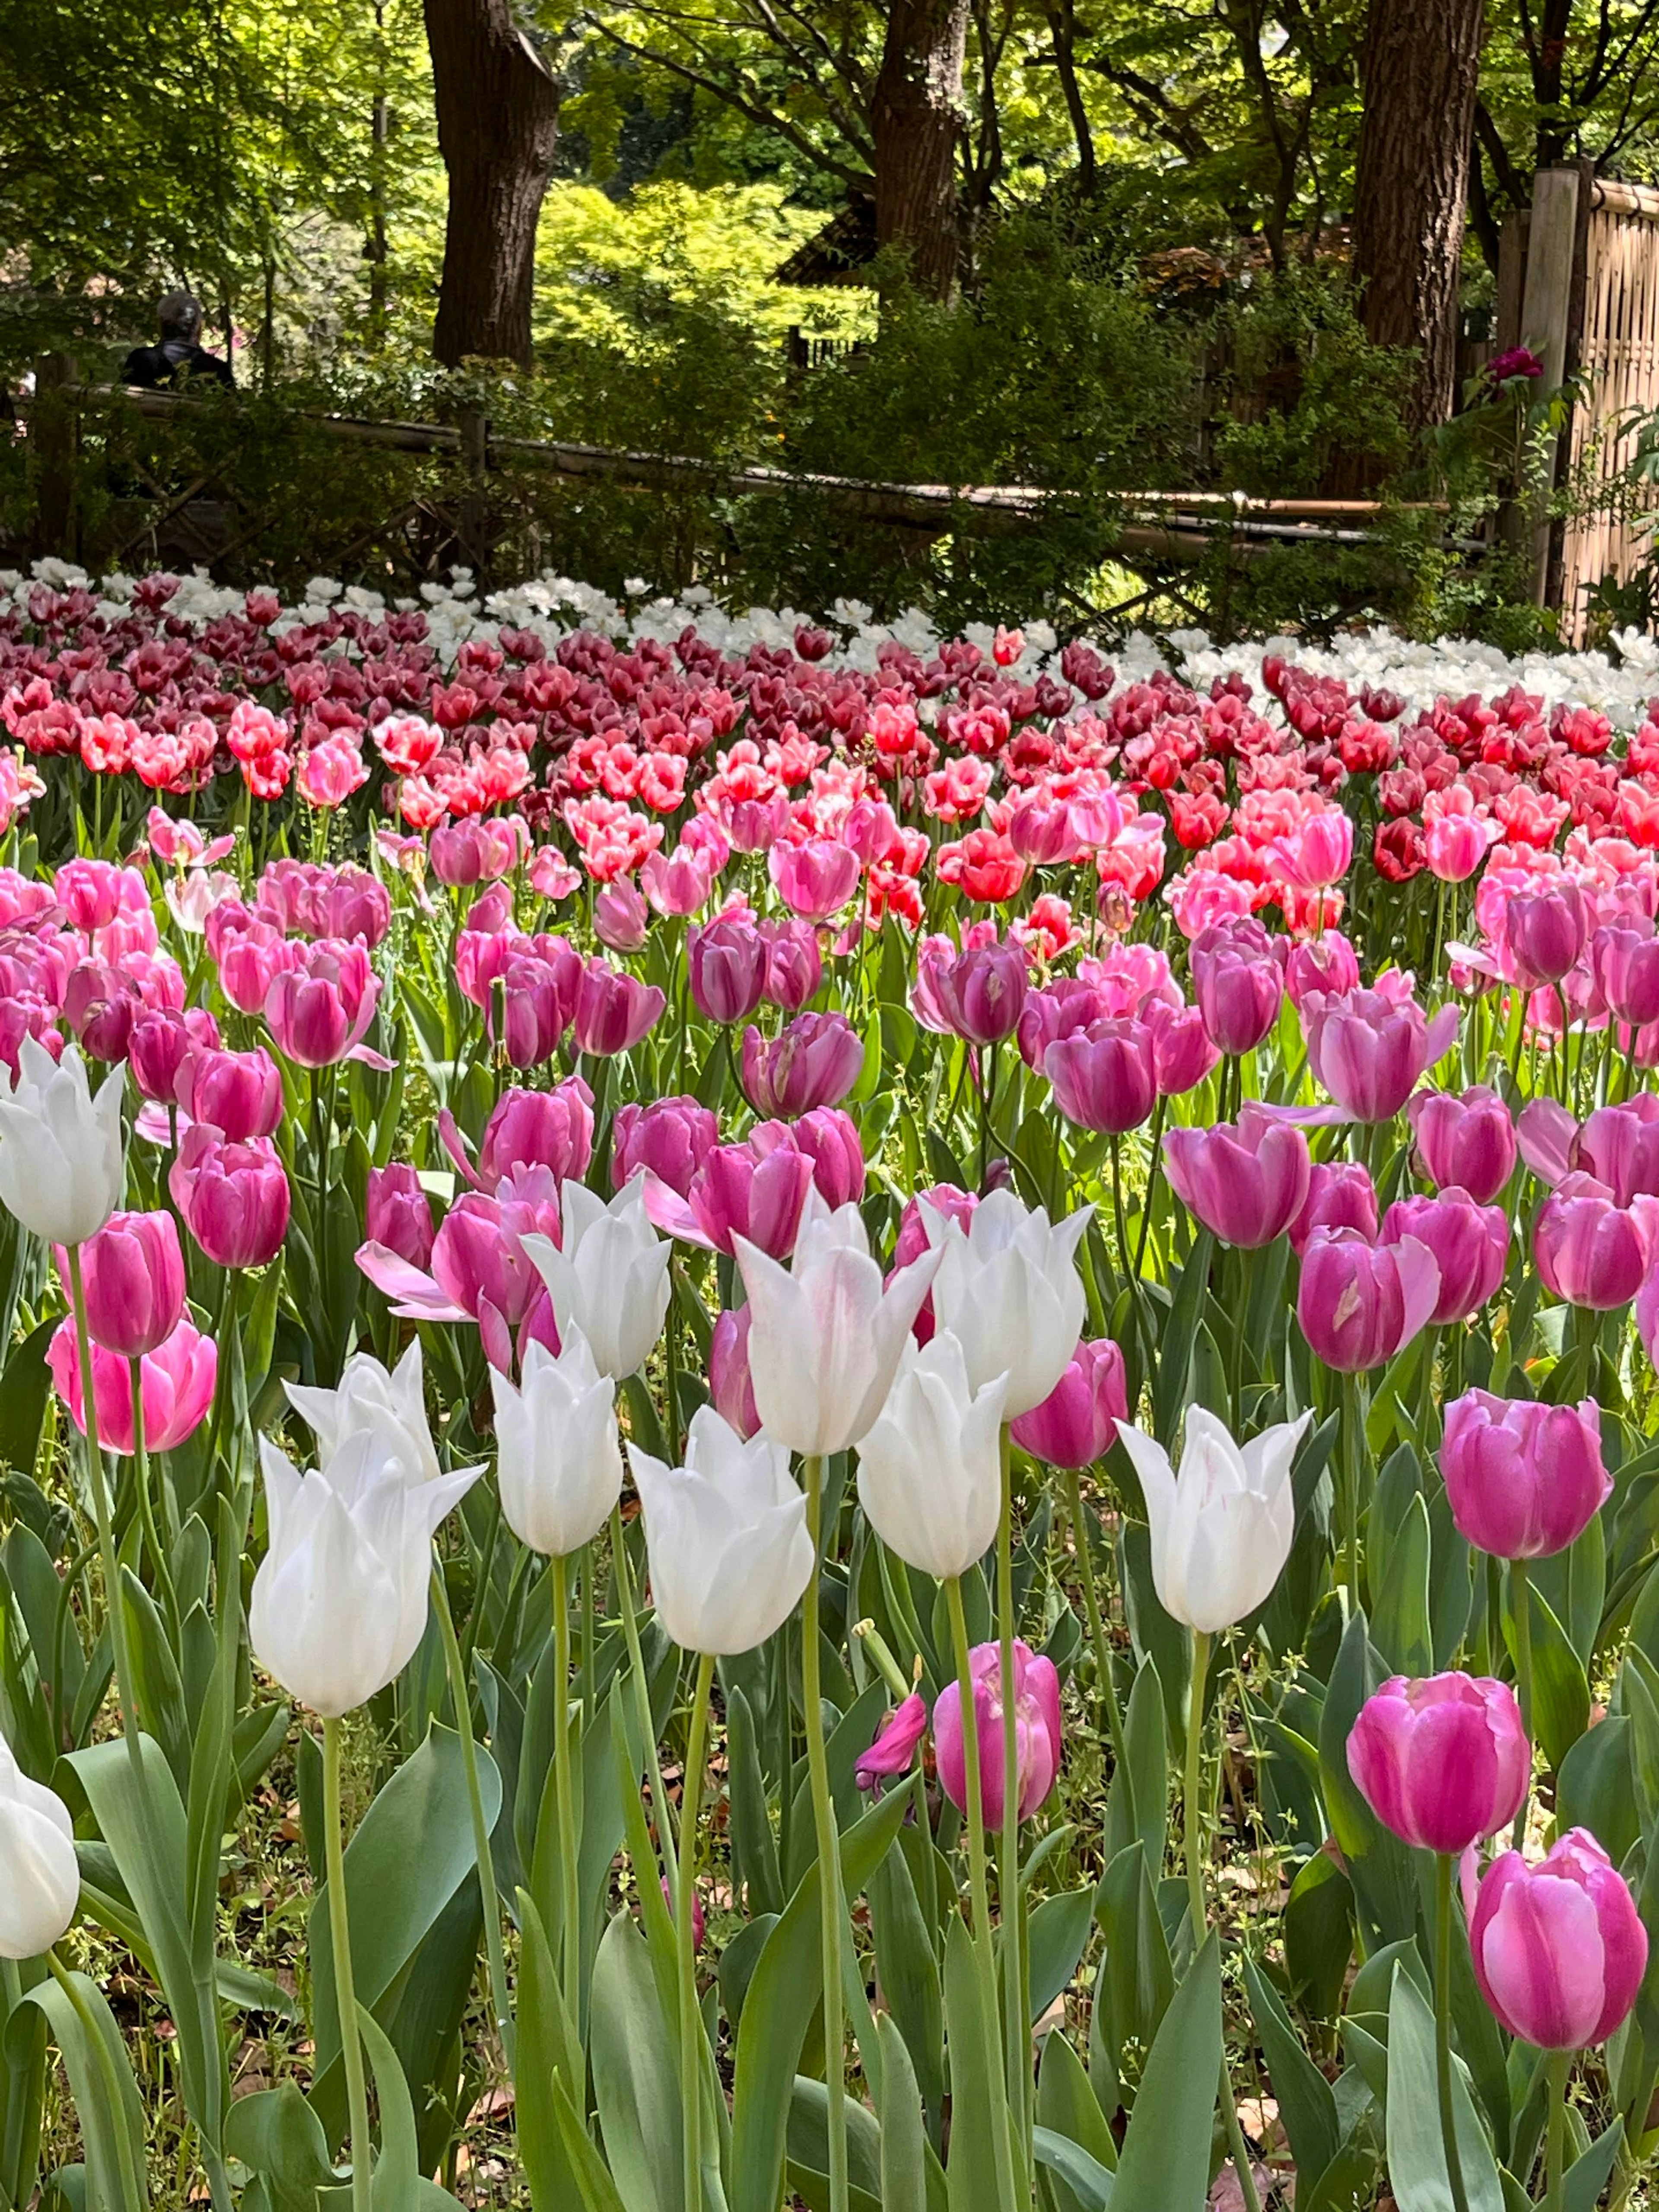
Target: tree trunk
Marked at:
498, 122
916, 120
1422, 66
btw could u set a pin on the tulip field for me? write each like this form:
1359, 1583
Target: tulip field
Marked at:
801, 1415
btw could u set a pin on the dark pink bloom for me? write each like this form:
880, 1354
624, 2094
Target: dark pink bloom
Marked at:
1545, 931
133, 1275
1624, 955
894, 1750
397, 1213
1078, 1420
1524, 1480
814, 1061
614, 1011
816, 878
670, 1136
738, 1191
1182, 1054
730, 1383
980, 993
1467, 1141
1470, 1244
1340, 1195
621, 918
1327, 963
830, 1138
319, 1012
1369, 1048
240, 1093
159, 1044
1359, 1304
1442, 1761
176, 1380
794, 966
1105, 1077
1037, 1732
1237, 982
1559, 1948
233, 1198
1246, 1183
727, 965
1590, 1251
551, 1129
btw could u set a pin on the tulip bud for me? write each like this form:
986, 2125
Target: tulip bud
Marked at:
367, 1397
39, 1875
1559, 1949
61, 1164
794, 966
1237, 983
1039, 1744
726, 967
672, 1137
816, 878
240, 1093
1625, 957
551, 1129
730, 1383
1105, 1077
1590, 1251
1443, 1761
559, 1463
613, 1009
980, 993
1078, 1420
397, 1213
1469, 1141
1524, 1480
1246, 1183
830, 1138
1340, 1195
1470, 1244
162, 1040
725, 1537
132, 1274
740, 1191
1221, 1528
1357, 1305
621, 918
318, 1011
1545, 932
1369, 1048
233, 1198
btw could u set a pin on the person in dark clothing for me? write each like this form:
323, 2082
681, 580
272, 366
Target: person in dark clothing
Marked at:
179, 356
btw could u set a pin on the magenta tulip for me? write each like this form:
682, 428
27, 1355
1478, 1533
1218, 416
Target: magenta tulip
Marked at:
726, 964
1620, 1146
1078, 1420
894, 1750
1246, 1183
397, 1213
981, 993
1359, 1304
240, 1093
161, 1041
672, 1137
133, 1275
1104, 1076
816, 878
233, 1198
319, 1010
814, 1061
1237, 983
176, 1382
794, 966
1182, 1055
1328, 963
1467, 1141
739, 1191
829, 1138
1559, 1948
1340, 1195
1443, 1761
1369, 1048
730, 1383
1545, 932
1524, 1480
1589, 1250
1037, 1732
958, 1206
621, 918
551, 1129
1059, 1010
1470, 1244
614, 1010
1625, 957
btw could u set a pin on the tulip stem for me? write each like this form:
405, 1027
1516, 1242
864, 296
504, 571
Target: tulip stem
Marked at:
1444, 1866
1558, 2064
1194, 1853
1520, 1606
146, 1502
828, 1845
691, 2031
105, 2063
979, 1887
117, 1618
345, 1992
1015, 2010
1074, 1507
564, 1794
622, 1575
1353, 1448
492, 1911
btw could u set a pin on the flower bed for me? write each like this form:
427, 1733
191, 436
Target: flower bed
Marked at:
910, 1260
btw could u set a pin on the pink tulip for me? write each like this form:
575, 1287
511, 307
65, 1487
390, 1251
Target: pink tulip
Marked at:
133, 1275
1246, 1183
319, 1012
1624, 955
526, 1013
1340, 1195
1078, 1420
1105, 1077
397, 1213
1182, 1055
1236, 983
958, 1206
330, 772
1559, 1948
679, 883
1368, 1047
176, 1382
621, 918
479, 1269
1359, 1304
1524, 1480
1455, 845
815, 1061
475, 851
1545, 932
614, 1011
233, 1198
738, 1191
730, 1384
1059, 1010
794, 966
551, 1129
159, 1044
829, 1138
100, 1007
1470, 1244
1328, 964
1318, 852
727, 967
250, 961
980, 993
672, 1137
1620, 1146
814, 880
240, 1093
1037, 1728
1589, 1250
1040, 830
1468, 1140
1443, 1761
894, 1750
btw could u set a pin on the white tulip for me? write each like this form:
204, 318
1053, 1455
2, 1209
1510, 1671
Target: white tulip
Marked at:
61, 1164
1008, 1288
725, 1537
339, 1603
1222, 1529
392, 1405
559, 1464
610, 1277
930, 1471
40, 1878
825, 1337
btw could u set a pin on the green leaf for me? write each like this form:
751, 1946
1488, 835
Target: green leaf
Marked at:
1417, 2154
903, 2143
1319, 1934
754, 1846
1306, 2105
1059, 1929
23, 1388
1086, 2182
1164, 2164
908, 1974
979, 2103
1400, 1624
1175, 1339
1068, 2110
106, 2099
1595, 1788
546, 2045
1135, 1981
599, 2192
635, 2071
1587, 2177
397, 2170
1560, 1690
1137, 1802
276, 2136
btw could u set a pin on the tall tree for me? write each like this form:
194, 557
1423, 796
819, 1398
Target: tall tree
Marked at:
1421, 70
498, 124
916, 124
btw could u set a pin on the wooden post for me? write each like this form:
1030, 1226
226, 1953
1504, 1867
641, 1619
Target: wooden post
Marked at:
475, 519
54, 434
1546, 308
